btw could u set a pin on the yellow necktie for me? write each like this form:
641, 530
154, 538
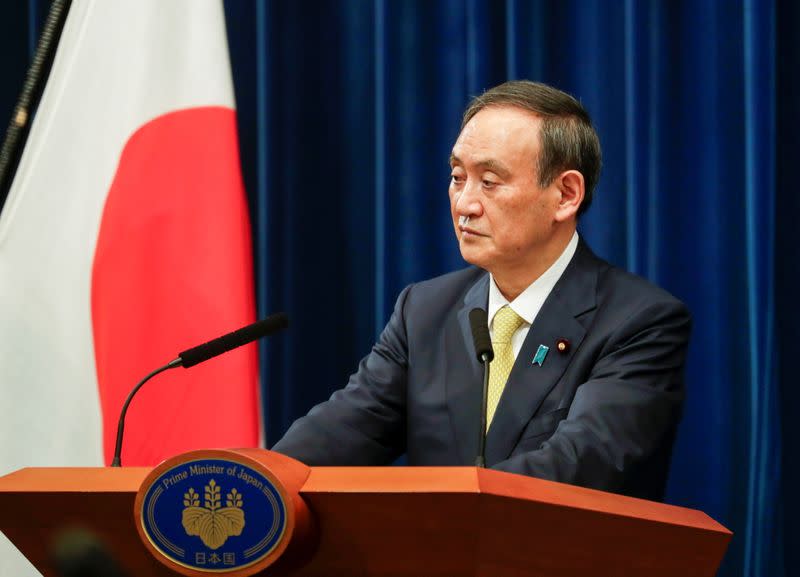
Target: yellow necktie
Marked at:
505, 324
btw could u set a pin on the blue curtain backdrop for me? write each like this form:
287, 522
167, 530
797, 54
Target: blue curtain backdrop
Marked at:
348, 110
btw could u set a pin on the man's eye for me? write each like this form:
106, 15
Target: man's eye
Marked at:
488, 183
456, 178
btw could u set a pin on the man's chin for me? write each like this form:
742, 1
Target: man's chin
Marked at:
474, 257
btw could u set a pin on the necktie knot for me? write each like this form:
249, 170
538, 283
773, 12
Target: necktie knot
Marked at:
505, 324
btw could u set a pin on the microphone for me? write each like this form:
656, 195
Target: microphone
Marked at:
263, 328
479, 325
201, 353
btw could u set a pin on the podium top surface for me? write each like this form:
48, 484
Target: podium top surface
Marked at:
324, 481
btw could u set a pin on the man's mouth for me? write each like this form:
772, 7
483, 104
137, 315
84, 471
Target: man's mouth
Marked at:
468, 230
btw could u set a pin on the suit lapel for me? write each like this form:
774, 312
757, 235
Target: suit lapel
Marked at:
529, 384
464, 374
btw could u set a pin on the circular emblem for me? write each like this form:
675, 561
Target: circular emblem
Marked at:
213, 514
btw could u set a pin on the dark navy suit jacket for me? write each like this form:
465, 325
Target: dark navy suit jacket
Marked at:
602, 414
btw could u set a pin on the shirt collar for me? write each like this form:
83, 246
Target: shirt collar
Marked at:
530, 301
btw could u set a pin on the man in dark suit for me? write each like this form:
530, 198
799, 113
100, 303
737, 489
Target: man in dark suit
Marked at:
587, 381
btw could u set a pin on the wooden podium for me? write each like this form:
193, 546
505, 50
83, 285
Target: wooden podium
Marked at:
421, 521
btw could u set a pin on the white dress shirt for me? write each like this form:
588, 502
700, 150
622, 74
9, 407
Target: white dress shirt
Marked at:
530, 301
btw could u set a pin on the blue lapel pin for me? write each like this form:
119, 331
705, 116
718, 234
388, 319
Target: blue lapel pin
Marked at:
541, 353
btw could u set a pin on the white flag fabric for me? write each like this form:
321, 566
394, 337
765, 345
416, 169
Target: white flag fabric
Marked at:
124, 240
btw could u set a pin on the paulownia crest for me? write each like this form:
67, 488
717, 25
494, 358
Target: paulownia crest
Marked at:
213, 523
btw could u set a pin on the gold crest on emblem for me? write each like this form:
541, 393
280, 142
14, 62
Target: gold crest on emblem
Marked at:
213, 523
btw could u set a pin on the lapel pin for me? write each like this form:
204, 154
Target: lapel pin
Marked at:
562, 345
541, 353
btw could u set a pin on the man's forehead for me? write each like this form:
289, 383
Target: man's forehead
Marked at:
500, 124
495, 136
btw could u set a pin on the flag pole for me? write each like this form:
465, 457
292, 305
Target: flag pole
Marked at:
31, 91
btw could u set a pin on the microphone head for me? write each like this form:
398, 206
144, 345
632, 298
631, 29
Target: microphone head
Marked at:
263, 328
479, 324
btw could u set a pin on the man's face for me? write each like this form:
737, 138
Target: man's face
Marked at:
503, 219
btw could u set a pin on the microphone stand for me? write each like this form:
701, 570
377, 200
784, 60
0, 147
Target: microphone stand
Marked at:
480, 460
117, 462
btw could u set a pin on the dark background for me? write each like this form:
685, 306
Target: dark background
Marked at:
347, 112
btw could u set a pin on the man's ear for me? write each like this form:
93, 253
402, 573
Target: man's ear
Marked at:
572, 189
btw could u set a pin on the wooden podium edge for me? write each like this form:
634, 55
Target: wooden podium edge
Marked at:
501, 484
327, 482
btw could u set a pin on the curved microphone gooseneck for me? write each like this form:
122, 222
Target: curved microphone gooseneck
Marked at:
196, 355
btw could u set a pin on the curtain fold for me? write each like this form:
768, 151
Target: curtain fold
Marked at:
760, 163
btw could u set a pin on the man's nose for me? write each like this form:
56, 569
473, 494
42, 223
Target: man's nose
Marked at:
469, 202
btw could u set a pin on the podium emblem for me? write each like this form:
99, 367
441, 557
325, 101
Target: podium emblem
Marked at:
212, 515
213, 523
